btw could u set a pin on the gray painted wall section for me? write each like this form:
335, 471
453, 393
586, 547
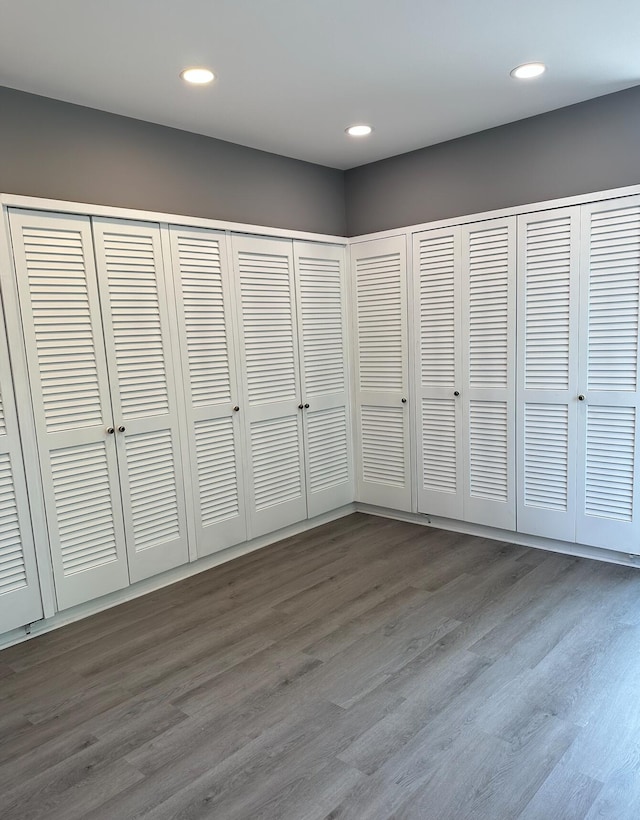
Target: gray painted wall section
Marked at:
591, 146
62, 151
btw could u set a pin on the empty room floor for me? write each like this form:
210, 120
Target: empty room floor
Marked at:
366, 669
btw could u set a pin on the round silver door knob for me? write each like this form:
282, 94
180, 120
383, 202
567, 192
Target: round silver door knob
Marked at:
580, 397
236, 408
306, 406
110, 430
456, 392
122, 428
404, 401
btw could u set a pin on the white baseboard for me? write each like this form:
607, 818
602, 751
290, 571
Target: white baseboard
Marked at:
180, 573
522, 539
165, 579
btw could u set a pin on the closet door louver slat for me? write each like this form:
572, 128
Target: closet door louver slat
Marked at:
328, 456
133, 289
383, 457
277, 474
546, 454
439, 446
211, 390
70, 387
217, 484
488, 453
381, 378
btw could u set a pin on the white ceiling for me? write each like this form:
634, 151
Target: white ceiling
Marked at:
294, 73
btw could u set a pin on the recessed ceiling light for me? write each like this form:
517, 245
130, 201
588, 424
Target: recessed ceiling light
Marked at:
527, 71
197, 76
359, 130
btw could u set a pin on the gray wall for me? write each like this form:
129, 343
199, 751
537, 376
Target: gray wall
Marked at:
63, 151
586, 147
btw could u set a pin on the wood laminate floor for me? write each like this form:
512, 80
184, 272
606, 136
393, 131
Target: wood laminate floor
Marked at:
366, 669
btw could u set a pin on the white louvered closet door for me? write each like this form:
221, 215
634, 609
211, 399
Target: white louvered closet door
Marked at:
265, 290
381, 379
607, 504
20, 601
320, 279
204, 309
60, 311
133, 293
437, 267
548, 279
488, 383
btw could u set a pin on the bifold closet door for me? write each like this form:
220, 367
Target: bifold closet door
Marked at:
133, 291
211, 392
272, 406
488, 372
320, 278
548, 281
379, 270
65, 350
437, 264
465, 301
20, 601
608, 498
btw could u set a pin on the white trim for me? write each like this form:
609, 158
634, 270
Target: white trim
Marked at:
165, 579
113, 212
62, 206
369, 237
535, 541
516, 210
